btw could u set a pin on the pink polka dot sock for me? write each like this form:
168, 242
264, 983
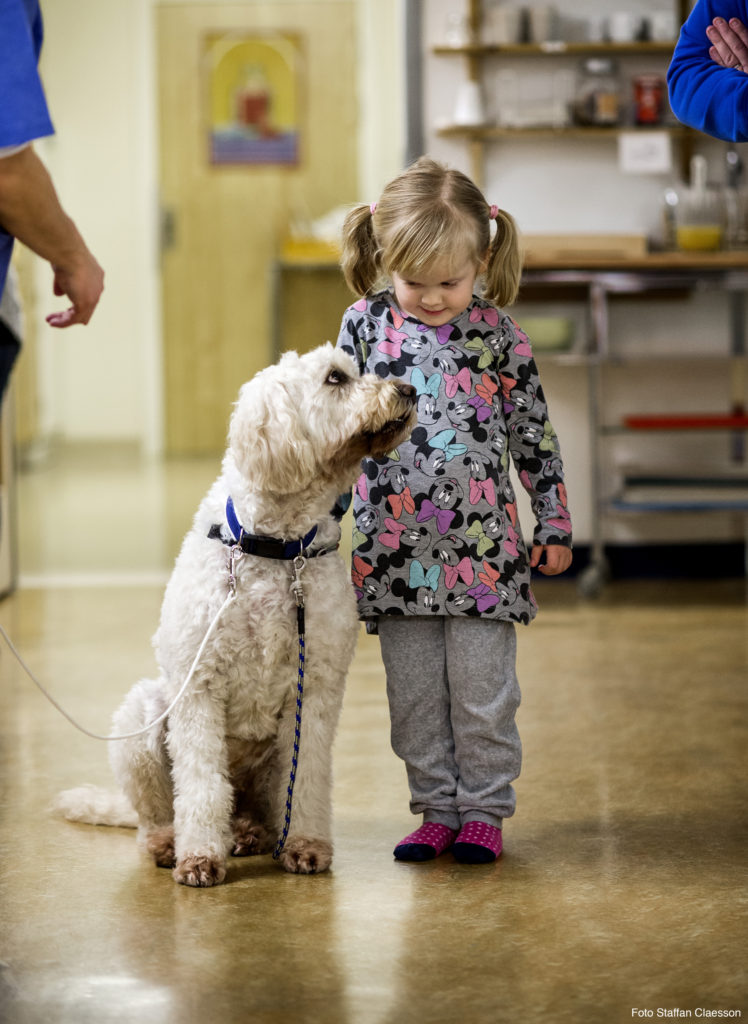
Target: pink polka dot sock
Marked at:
426, 842
477, 843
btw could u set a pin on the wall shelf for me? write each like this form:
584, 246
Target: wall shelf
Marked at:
556, 49
487, 132
688, 493
475, 52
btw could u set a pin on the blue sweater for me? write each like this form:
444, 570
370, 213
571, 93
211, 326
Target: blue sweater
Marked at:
704, 95
23, 108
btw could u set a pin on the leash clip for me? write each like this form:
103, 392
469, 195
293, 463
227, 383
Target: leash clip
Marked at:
297, 588
235, 553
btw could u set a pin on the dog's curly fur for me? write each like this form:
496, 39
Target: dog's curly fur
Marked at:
212, 779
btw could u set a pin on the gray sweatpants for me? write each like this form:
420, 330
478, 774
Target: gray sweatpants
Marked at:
453, 696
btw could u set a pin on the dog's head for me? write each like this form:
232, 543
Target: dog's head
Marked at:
314, 417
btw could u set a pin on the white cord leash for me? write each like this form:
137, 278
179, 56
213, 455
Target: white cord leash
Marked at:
297, 590
130, 735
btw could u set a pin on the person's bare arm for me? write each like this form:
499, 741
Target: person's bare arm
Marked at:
31, 212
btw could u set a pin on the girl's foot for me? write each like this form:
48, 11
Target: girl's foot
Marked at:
477, 843
426, 842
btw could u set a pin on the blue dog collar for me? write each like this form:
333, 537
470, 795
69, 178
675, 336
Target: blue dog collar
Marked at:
265, 547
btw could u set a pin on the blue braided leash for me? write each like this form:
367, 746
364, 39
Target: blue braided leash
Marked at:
298, 592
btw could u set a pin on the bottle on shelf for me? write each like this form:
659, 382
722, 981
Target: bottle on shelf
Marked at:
736, 201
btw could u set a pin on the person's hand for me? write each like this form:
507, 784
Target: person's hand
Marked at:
557, 558
83, 283
729, 42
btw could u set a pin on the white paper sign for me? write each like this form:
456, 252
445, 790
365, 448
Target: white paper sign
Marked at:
645, 152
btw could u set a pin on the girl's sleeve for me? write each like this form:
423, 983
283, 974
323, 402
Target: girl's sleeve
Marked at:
703, 94
532, 441
348, 342
348, 339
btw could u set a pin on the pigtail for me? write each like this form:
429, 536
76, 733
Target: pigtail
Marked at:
360, 257
426, 212
504, 263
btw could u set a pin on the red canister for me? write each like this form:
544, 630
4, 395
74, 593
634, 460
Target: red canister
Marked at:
649, 99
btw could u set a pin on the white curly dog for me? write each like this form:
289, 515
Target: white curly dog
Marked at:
212, 778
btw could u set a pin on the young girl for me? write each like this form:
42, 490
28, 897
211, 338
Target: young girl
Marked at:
439, 564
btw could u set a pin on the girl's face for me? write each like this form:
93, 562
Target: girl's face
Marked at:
439, 295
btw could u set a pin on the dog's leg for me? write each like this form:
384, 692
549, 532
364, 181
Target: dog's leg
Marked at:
251, 771
251, 838
203, 795
308, 848
142, 769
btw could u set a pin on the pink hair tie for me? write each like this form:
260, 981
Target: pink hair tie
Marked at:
373, 208
493, 213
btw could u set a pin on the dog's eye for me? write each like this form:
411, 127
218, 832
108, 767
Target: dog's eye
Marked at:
336, 377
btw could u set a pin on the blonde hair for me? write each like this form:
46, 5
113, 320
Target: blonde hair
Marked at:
428, 213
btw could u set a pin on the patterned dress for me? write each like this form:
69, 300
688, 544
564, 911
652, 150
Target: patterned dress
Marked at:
436, 529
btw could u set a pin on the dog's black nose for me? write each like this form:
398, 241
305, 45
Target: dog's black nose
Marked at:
406, 390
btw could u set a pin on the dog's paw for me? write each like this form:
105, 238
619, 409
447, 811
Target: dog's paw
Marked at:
200, 872
306, 856
250, 838
159, 842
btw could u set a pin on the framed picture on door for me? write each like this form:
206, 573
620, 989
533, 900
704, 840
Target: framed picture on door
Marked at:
253, 89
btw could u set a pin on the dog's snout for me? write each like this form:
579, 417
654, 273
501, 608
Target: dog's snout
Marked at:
406, 390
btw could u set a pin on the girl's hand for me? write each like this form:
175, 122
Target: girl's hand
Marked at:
557, 558
729, 42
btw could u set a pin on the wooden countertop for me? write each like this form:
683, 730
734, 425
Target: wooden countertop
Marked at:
311, 254
700, 261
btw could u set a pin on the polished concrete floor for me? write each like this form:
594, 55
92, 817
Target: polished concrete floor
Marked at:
621, 894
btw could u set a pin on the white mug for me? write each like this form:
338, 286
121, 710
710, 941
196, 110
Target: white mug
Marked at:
595, 28
457, 30
662, 26
543, 24
623, 27
502, 25
469, 108
506, 96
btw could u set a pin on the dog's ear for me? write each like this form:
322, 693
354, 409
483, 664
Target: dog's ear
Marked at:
266, 434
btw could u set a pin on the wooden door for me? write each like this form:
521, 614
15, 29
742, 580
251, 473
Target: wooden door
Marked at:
223, 224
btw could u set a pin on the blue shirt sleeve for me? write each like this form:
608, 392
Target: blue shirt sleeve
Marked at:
704, 95
23, 108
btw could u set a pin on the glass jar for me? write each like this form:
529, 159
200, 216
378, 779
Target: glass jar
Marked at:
700, 213
736, 218
598, 97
